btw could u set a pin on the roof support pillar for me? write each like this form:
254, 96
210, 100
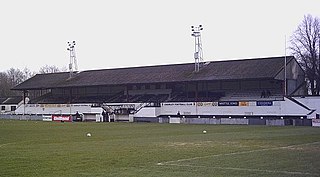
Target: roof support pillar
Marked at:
24, 96
127, 93
70, 96
197, 90
24, 101
207, 89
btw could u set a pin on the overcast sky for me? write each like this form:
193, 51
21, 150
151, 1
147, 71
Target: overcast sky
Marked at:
121, 33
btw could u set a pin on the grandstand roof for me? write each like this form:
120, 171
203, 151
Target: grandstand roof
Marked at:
216, 70
2, 100
11, 100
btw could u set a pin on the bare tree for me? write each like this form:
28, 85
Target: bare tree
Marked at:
28, 74
305, 46
4, 86
49, 69
15, 76
63, 69
11, 78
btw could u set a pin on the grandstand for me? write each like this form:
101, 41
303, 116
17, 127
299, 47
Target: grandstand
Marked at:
241, 88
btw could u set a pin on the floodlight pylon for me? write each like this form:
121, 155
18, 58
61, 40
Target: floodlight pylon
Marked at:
198, 53
73, 66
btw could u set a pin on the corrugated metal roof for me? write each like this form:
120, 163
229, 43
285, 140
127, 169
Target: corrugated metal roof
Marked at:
2, 100
11, 100
43, 81
215, 70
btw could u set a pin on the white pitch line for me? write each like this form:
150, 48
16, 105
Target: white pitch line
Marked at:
2, 145
245, 169
234, 153
5, 144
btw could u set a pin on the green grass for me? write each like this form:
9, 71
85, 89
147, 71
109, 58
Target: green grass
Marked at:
30, 148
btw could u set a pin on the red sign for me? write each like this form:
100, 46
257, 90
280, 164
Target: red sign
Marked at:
61, 118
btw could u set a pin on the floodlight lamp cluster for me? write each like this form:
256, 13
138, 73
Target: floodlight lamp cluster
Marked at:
196, 30
73, 60
71, 45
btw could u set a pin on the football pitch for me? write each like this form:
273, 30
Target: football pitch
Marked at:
31, 148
